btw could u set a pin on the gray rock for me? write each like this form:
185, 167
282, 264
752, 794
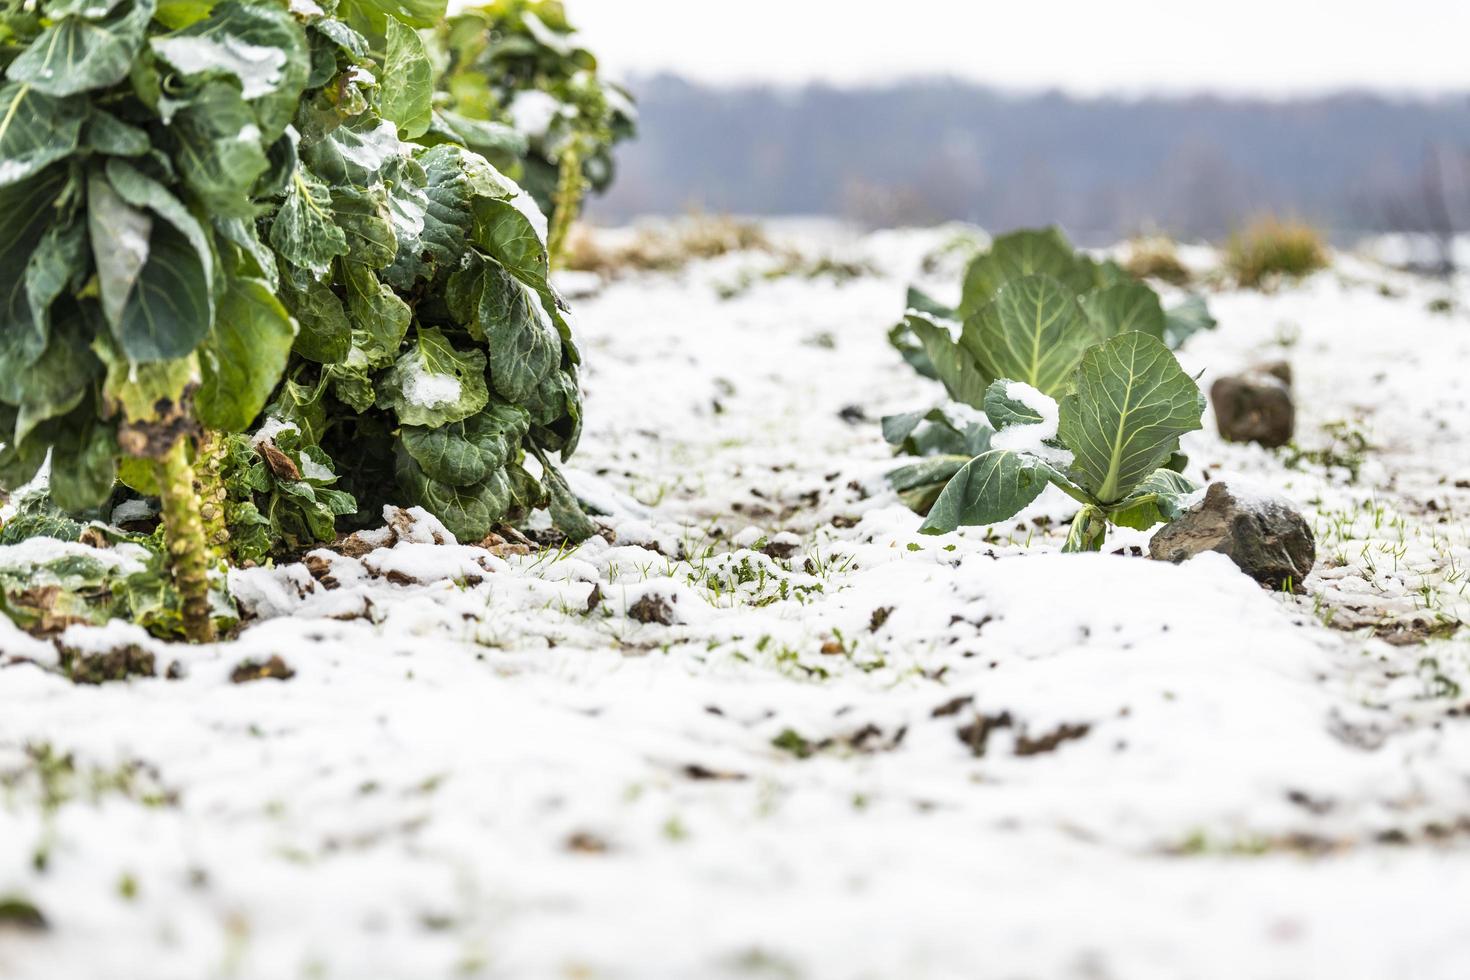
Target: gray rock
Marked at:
1255, 407
1263, 535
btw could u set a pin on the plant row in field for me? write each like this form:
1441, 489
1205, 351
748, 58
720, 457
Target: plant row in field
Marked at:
1061, 372
217, 214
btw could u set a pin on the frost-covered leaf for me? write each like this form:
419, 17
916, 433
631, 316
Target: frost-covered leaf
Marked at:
994, 486
464, 453
362, 215
435, 229
244, 356
1032, 331
407, 81
354, 154
36, 130
75, 54
1159, 498
1130, 404
1004, 410
433, 384
1124, 306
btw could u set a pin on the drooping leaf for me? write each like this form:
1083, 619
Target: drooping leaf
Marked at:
105, 133
938, 431
59, 262
36, 130
76, 54
1124, 306
964, 377
59, 379
244, 356
433, 384
525, 348
119, 234
407, 81
919, 484
566, 511
993, 486
1130, 404
469, 512
1033, 330
466, 452
83, 463
171, 306
27, 210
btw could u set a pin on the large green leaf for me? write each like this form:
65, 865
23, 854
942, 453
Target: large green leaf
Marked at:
59, 379
1125, 306
379, 317
244, 357
260, 45
525, 348
83, 462
27, 210
993, 486
938, 431
1023, 253
465, 453
514, 233
171, 306
469, 512
77, 55
1032, 331
1185, 320
36, 130
119, 234
434, 230
107, 134
355, 153
58, 264
370, 17
433, 384
1130, 404
362, 214
304, 230
219, 151
407, 81
325, 334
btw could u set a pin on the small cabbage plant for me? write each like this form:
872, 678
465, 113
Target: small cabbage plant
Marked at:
1039, 319
1108, 444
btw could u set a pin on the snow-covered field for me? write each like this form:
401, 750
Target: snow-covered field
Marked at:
853, 751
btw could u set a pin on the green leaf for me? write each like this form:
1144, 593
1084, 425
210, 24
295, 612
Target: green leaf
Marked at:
219, 149
1159, 498
119, 234
260, 45
434, 384
58, 263
244, 357
1088, 531
1130, 404
1004, 411
83, 463
566, 511
58, 381
514, 233
325, 334
525, 347
953, 363
1122, 307
77, 55
379, 316
435, 228
920, 484
1185, 320
938, 431
171, 306
353, 154
465, 453
362, 214
27, 210
993, 486
36, 130
370, 17
304, 230
470, 512
1023, 253
107, 134
1032, 331
407, 81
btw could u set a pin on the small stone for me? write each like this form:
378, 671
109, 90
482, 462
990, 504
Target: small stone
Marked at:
1263, 535
1254, 408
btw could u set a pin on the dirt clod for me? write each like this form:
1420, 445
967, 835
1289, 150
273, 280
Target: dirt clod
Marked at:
254, 670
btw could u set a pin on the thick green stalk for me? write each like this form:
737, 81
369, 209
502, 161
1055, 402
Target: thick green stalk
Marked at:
183, 535
570, 186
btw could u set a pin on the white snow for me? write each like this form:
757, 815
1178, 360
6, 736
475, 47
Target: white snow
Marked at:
429, 389
273, 426
534, 111
484, 766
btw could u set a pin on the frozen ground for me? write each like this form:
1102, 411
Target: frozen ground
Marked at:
854, 752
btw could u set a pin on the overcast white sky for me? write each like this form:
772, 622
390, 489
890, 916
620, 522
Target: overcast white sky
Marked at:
1274, 47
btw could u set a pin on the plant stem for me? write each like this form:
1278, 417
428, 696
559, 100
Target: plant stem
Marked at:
183, 535
570, 186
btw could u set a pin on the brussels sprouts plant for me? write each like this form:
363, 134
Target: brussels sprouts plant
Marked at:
519, 89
